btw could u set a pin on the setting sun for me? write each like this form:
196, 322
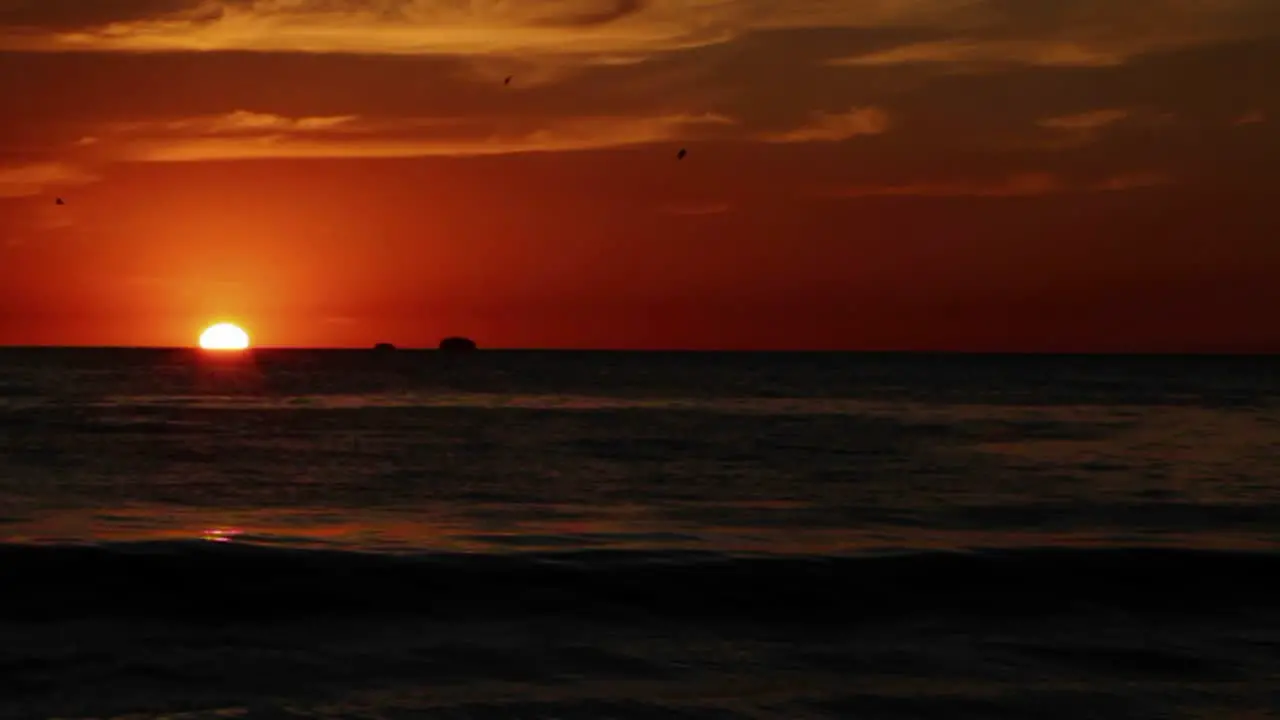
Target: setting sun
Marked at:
224, 336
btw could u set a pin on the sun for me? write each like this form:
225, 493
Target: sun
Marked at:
224, 336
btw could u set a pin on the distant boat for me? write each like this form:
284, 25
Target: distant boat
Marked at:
457, 344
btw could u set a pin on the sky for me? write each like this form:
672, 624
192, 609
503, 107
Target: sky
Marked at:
973, 175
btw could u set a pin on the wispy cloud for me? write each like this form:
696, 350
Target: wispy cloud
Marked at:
836, 127
974, 53
1086, 121
399, 27
1079, 129
251, 122
1075, 33
244, 134
62, 15
1038, 32
36, 178
1021, 185
1131, 181
607, 28
1254, 117
247, 135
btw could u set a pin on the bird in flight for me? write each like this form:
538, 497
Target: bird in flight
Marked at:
680, 155
507, 81
59, 201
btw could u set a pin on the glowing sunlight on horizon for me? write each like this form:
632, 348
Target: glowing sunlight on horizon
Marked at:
224, 336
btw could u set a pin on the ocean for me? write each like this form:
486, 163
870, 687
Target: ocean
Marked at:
503, 534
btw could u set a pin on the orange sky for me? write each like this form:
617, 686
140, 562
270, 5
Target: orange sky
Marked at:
862, 174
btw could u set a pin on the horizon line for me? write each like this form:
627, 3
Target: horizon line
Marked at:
671, 350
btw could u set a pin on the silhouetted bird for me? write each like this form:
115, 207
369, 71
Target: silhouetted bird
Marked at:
59, 201
680, 155
507, 81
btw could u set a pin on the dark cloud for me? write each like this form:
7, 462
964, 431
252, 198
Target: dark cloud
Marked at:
1140, 18
82, 14
608, 12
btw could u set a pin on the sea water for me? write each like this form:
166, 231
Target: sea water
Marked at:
295, 533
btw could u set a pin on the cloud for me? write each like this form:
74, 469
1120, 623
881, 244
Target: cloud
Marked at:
971, 53
836, 127
1087, 121
36, 178
1131, 181
57, 15
235, 123
397, 27
339, 105
244, 121
1253, 117
1078, 129
242, 135
125, 16
1021, 185
434, 27
1076, 33
1036, 32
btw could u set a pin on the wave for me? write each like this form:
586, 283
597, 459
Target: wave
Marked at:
206, 580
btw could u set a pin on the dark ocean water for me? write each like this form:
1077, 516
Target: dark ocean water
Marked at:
630, 535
